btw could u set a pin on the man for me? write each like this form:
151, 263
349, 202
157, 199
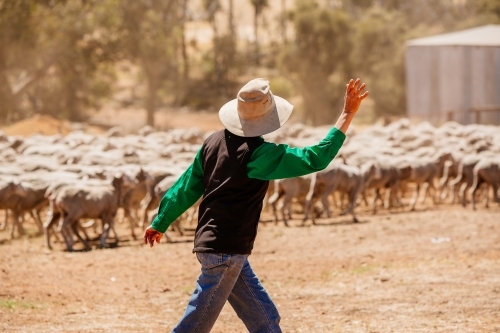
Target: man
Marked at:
232, 171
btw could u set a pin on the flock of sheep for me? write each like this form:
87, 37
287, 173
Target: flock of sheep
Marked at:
66, 185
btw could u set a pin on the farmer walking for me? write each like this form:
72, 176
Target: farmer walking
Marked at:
231, 172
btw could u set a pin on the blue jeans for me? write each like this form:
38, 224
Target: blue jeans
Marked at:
228, 277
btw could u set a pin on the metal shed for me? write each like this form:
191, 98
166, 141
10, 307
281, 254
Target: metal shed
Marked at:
455, 76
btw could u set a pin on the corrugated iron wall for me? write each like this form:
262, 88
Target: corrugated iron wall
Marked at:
447, 82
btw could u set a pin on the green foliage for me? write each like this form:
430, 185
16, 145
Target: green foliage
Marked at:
379, 58
60, 57
488, 7
319, 58
281, 86
152, 39
221, 68
13, 305
56, 54
80, 39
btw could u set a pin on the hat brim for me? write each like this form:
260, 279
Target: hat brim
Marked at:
228, 115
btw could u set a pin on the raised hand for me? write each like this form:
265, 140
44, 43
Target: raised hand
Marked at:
354, 95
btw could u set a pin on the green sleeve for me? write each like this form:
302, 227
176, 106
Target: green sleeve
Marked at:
277, 161
182, 195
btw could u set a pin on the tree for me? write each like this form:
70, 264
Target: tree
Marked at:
153, 37
19, 66
258, 6
379, 56
230, 18
319, 59
54, 56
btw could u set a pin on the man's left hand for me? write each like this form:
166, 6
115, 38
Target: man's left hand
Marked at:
151, 235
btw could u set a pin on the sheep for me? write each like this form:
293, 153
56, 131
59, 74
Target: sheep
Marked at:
465, 175
11, 195
388, 180
347, 179
486, 171
79, 201
289, 189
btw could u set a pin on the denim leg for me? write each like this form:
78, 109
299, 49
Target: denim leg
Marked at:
252, 303
219, 273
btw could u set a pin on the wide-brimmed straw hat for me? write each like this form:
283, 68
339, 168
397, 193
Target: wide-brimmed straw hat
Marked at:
255, 111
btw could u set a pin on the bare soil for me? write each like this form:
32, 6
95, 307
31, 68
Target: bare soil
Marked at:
435, 270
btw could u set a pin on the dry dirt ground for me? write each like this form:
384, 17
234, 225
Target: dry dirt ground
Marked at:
435, 270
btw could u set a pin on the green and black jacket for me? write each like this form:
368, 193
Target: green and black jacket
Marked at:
232, 174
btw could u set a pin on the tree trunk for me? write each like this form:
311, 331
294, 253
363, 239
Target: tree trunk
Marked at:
283, 21
230, 19
216, 50
317, 102
256, 34
151, 101
6, 98
185, 59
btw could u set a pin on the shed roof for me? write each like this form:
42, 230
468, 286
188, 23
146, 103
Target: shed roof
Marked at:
487, 35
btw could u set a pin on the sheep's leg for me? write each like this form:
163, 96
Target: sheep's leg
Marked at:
64, 228
326, 204
286, 210
151, 204
281, 208
351, 205
275, 212
364, 199
144, 219
434, 192
388, 198
169, 239
309, 202
453, 191
495, 193
443, 189
486, 194
5, 220
104, 232
132, 220
36, 217
314, 214
16, 224
374, 202
415, 197
176, 226
68, 239
309, 205
108, 225
473, 190
52, 217
307, 208
192, 216
462, 193
425, 188
74, 229
113, 229
82, 229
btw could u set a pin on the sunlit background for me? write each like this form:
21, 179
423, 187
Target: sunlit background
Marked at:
137, 62
105, 103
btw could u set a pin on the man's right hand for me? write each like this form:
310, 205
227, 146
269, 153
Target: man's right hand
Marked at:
353, 96
151, 235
